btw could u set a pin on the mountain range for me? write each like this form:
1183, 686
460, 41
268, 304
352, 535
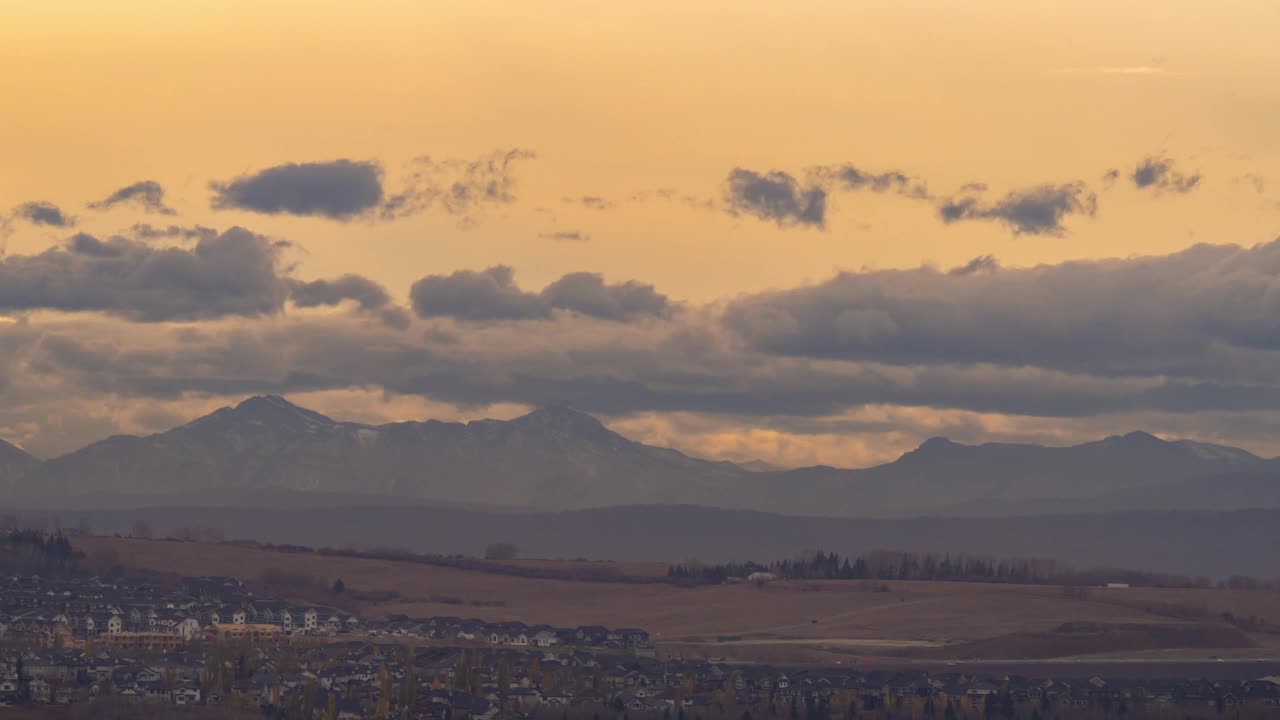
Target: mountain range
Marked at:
267, 450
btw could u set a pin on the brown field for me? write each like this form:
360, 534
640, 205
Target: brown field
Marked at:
814, 621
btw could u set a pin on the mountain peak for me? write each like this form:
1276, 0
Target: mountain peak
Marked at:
273, 409
560, 415
1137, 437
12, 453
564, 420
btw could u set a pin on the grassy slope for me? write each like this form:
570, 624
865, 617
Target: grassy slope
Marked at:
937, 612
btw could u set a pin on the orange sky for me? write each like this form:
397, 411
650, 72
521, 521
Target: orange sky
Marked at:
623, 98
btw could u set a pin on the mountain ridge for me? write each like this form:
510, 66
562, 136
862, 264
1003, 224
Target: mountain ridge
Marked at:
557, 458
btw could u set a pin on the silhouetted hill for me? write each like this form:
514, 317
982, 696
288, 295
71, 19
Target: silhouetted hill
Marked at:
1215, 544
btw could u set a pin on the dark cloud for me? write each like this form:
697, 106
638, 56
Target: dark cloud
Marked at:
368, 294
589, 294
1158, 174
339, 190
235, 273
1038, 210
1179, 315
86, 244
489, 294
566, 236
147, 194
777, 197
492, 294
370, 298
459, 187
42, 213
395, 317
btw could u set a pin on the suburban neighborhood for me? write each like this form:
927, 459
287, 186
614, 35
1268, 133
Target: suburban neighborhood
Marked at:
213, 643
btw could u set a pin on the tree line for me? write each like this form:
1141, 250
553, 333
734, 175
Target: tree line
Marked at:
32, 551
889, 565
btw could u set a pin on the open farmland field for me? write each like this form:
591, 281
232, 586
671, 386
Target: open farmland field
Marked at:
812, 621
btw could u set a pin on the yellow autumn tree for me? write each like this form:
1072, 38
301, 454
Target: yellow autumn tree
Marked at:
383, 708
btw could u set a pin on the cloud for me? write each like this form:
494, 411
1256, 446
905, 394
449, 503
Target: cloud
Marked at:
589, 294
235, 273
776, 197
1125, 340
849, 177
368, 294
489, 294
147, 231
1255, 180
1158, 174
42, 213
1038, 210
566, 236
370, 298
590, 202
693, 202
338, 190
148, 194
492, 294
459, 187
980, 264
1194, 313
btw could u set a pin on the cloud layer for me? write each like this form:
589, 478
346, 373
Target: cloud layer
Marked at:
1172, 315
234, 273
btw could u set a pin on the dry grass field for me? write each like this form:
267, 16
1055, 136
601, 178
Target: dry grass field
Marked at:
781, 619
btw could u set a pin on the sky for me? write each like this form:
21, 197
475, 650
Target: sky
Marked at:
804, 232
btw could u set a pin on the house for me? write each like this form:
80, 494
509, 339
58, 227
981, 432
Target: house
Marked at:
544, 638
187, 695
187, 628
591, 635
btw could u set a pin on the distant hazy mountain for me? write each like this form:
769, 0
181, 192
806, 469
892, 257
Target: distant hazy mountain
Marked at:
550, 458
558, 459
1132, 471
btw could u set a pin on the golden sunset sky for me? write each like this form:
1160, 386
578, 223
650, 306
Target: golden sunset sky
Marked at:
647, 109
